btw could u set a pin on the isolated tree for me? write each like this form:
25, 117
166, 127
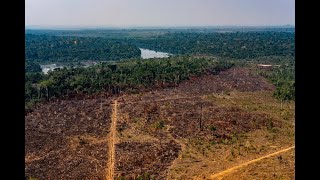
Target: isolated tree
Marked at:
46, 84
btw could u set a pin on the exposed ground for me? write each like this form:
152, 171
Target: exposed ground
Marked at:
112, 140
68, 140
204, 126
223, 174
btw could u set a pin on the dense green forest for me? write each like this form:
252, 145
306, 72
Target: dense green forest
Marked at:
236, 42
242, 47
32, 67
110, 78
156, 31
283, 78
234, 45
45, 48
123, 44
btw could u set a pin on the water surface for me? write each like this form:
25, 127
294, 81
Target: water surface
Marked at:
147, 54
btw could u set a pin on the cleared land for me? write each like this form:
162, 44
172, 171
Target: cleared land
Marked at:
112, 140
204, 126
68, 139
222, 174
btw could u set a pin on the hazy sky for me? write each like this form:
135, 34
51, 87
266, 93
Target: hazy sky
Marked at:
159, 12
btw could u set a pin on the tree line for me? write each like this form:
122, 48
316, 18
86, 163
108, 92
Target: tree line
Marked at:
283, 78
114, 78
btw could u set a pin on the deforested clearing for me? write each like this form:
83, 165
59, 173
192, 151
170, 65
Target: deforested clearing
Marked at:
200, 127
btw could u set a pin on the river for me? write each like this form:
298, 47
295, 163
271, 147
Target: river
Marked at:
145, 54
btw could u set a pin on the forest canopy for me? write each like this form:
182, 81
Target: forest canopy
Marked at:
45, 48
234, 45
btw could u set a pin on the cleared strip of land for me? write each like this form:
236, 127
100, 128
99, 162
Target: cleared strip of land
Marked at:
110, 170
221, 174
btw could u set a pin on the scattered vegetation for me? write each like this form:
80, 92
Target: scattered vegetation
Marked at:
159, 124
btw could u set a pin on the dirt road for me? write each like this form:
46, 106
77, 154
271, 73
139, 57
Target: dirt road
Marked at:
112, 141
221, 174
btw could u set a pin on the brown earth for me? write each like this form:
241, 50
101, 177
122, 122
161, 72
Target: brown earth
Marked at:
136, 159
112, 140
67, 140
280, 166
203, 126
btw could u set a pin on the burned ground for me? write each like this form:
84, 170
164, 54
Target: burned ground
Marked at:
226, 126
159, 133
67, 139
151, 158
185, 119
234, 79
217, 123
239, 79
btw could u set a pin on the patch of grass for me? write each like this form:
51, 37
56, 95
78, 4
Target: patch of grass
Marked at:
226, 93
159, 124
136, 119
211, 97
225, 141
239, 150
121, 178
32, 178
270, 125
145, 176
213, 129
167, 105
234, 138
232, 152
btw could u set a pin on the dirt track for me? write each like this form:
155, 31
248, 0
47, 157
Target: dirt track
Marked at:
112, 141
221, 174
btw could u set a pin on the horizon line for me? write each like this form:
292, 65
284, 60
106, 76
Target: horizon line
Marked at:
143, 26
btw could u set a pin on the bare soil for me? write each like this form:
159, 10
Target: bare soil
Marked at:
151, 158
67, 140
281, 166
205, 125
225, 173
